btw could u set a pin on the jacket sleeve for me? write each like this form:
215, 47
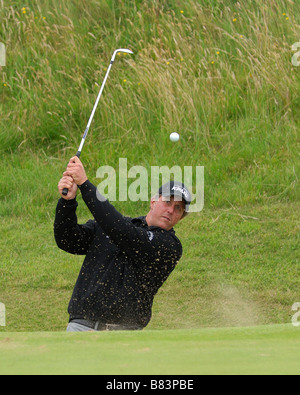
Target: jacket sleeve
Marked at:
159, 245
69, 236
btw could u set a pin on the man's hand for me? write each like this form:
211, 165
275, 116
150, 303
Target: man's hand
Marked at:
74, 175
68, 182
76, 170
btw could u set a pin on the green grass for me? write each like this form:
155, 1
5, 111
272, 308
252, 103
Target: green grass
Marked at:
217, 72
240, 267
267, 350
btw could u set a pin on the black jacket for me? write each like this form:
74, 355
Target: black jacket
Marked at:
126, 261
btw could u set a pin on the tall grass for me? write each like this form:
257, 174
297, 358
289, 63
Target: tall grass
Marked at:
217, 72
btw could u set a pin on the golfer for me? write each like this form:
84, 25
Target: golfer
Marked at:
126, 260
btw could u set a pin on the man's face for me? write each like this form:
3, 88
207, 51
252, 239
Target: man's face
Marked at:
165, 213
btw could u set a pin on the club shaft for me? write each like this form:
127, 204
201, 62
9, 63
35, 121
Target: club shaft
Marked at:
93, 112
65, 191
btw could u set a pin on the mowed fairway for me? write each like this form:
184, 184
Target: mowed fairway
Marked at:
225, 76
273, 349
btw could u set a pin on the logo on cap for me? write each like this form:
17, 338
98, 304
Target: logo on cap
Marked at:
183, 192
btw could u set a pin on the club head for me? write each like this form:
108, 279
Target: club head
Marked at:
120, 50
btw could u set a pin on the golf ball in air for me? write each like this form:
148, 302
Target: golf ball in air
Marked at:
174, 137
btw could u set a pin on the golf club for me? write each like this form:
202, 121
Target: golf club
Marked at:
65, 191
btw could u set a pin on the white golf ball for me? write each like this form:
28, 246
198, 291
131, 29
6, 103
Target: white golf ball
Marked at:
174, 137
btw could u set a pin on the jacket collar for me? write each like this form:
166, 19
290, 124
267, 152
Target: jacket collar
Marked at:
141, 222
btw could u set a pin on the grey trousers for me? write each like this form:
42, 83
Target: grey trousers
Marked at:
80, 327
74, 327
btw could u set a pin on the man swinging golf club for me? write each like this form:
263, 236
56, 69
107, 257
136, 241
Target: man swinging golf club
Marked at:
127, 260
